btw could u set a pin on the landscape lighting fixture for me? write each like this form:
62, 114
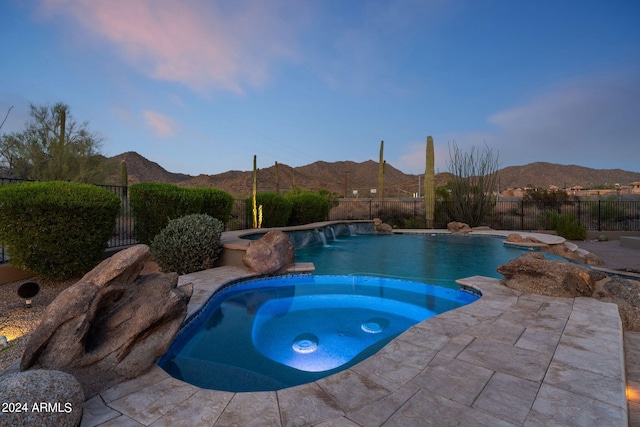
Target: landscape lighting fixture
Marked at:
28, 290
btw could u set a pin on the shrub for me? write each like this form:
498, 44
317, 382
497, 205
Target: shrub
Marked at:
187, 244
58, 230
569, 227
307, 208
153, 205
276, 209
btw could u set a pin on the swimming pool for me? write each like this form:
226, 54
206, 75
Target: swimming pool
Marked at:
274, 333
269, 334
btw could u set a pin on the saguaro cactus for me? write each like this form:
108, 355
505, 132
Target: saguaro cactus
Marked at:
124, 175
381, 168
430, 185
255, 191
277, 179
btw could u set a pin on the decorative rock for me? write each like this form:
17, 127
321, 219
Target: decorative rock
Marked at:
533, 273
458, 227
111, 325
45, 398
381, 227
271, 254
566, 252
517, 238
625, 294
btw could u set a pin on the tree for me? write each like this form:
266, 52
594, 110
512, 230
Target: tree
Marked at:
471, 190
53, 146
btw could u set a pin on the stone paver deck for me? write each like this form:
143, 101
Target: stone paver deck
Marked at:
509, 359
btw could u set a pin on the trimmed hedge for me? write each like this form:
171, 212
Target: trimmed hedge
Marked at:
58, 230
154, 204
307, 208
188, 244
276, 209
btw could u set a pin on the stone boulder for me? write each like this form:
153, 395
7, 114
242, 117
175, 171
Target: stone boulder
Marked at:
517, 238
533, 273
45, 398
566, 252
625, 293
111, 325
272, 253
458, 227
381, 227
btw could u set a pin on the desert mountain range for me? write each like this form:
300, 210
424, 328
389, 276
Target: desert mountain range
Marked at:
363, 176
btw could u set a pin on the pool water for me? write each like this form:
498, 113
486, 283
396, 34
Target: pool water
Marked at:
269, 334
438, 259
274, 333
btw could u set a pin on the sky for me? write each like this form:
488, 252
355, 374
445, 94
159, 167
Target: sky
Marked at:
201, 86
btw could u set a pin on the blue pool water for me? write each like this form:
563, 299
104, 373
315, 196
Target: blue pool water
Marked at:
438, 259
269, 334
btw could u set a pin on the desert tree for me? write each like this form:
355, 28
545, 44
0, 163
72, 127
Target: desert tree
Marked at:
471, 191
53, 146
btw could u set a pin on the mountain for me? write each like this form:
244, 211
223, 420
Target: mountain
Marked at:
141, 169
363, 177
541, 174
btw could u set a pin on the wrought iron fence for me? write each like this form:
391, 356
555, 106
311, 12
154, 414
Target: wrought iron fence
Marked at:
601, 215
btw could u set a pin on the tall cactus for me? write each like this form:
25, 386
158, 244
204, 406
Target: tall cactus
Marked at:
430, 185
277, 179
124, 175
255, 191
381, 166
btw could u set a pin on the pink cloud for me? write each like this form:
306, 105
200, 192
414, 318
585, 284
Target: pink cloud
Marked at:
194, 42
162, 125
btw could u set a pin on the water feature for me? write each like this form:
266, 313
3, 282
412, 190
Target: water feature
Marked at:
332, 232
323, 237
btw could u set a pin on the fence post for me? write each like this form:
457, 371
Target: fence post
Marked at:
599, 217
521, 214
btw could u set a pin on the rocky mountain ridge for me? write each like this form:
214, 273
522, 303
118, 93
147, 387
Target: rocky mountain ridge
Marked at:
345, 177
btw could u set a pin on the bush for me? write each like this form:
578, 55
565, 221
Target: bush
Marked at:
569, 227
187, 244
276, 209
58, 230
153, 205
307, 208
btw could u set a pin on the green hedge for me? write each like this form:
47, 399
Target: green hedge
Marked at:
276, 209
153, 205
58, 230
307, 208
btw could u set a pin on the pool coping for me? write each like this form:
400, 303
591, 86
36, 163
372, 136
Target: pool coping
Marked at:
507, 359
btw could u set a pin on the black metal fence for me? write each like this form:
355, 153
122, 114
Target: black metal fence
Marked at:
601, 215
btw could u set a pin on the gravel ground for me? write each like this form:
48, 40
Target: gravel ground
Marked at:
18, 320
615, 257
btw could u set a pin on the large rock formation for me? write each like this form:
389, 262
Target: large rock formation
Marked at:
272, 253
533, 273
40, 398
111, 325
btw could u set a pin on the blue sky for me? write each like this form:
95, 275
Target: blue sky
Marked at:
201, 86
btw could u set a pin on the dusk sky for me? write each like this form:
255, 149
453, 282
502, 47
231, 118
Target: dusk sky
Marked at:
200, 86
